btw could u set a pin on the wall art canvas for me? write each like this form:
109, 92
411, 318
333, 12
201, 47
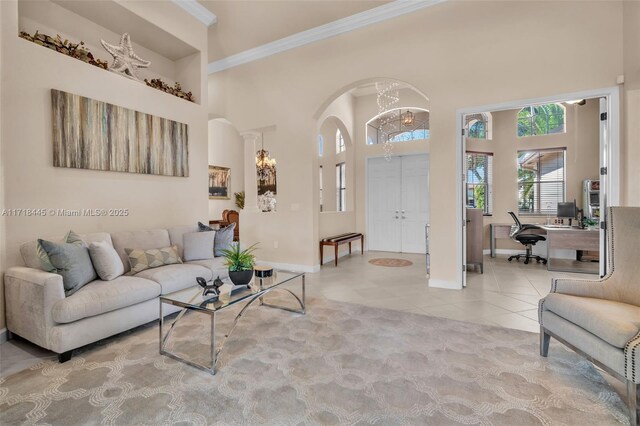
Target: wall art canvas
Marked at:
95, 135
219, 183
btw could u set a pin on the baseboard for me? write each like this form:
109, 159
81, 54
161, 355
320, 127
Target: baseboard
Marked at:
332, 258
451, 285
291, 266
4, 334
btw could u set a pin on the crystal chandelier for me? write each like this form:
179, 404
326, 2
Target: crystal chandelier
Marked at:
387, 99
407, 119
265, 165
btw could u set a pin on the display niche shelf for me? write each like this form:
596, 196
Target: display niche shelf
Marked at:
172, 59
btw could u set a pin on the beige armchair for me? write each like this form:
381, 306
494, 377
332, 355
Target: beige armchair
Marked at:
600, 319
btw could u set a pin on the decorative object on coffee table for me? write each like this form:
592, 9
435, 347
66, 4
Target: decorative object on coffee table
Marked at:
240, 263
208, 289
125, 60
263, 271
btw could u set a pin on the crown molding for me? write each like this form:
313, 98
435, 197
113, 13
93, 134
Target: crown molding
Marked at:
332, 29
198, 11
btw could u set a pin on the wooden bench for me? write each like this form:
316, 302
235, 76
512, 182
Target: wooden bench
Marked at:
337, 240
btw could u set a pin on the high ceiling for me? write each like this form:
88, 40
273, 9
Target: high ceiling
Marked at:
243, 24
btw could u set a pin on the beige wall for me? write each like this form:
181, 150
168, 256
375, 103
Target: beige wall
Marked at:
226, 149
30, 179
631, 150
581, 141
261, 92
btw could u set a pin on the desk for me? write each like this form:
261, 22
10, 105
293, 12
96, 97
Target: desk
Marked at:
572, 239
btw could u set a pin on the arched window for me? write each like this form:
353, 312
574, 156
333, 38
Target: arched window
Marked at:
339, 142
398, 125
320, 145
536, 120
478, 126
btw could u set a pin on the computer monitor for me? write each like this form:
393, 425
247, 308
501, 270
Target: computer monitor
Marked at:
567, 210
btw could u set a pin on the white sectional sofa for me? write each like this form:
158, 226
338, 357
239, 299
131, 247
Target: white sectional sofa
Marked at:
37, 309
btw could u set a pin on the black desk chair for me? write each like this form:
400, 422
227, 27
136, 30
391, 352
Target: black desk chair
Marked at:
527, 240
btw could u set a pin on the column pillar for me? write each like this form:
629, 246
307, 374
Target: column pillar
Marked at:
250, 179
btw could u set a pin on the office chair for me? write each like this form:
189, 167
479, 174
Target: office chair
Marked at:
527, 240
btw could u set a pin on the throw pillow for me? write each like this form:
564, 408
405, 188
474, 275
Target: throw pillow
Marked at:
223, 240
45, 263
72, 261
204, 228
198, 245
106, 260
145, 259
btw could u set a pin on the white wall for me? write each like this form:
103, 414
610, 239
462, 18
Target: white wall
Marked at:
29, 72
226, 149
259, 92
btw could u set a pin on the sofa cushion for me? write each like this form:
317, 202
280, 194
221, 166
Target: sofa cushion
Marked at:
216, 265
140, 260
176, 277
72, 261
614, 322
198, 245
176, 235
149, 239
99, 297
106, 260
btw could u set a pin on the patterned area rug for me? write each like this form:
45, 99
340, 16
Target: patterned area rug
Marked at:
339, 364
386, 261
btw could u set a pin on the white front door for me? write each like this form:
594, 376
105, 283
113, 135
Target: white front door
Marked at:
398, 194
385, 180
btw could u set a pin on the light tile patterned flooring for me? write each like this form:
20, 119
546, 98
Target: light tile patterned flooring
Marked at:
505, 295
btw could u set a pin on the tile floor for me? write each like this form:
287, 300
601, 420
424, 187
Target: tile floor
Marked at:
505, 295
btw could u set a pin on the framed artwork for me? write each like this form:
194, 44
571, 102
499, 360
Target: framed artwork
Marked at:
219, 183
95, 135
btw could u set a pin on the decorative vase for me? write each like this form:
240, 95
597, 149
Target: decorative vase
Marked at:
241, 277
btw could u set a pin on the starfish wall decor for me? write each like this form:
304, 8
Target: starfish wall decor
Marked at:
125, 61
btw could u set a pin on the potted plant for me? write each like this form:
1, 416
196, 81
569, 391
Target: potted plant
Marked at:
240, 263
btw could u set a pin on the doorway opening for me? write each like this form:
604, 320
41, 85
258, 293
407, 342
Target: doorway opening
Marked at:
382, 119
553, 162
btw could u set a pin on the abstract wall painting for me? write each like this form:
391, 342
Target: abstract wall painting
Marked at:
219, 183
95, 135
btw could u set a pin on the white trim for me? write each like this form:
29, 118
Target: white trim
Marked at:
290, 266
3, 335
340, 26
198, 11
451, 285
613, 96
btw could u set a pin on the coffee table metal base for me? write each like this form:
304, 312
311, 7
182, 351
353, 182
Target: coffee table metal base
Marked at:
215, 354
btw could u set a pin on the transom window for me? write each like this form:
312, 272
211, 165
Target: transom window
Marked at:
399, 125
541, 181
339, 142
480, 181
477, 126
536, 120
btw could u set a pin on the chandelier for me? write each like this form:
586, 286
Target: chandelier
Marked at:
265, 165
407, 119
387, 99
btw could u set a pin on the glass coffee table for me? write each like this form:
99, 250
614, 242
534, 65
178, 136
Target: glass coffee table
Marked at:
191, 299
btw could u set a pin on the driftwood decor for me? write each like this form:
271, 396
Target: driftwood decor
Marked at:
75, 50
90, 134
81, 52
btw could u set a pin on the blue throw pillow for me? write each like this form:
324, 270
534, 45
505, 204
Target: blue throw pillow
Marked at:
223, 238
72, 261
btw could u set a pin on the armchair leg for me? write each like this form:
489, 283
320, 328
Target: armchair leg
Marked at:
544, 342
633, 396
